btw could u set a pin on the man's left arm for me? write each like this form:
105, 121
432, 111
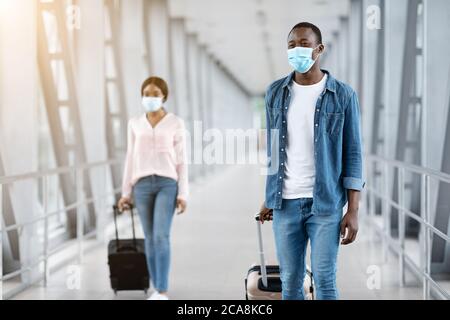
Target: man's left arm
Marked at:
352, 168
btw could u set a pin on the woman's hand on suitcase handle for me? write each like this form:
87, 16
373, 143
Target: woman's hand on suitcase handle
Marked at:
124, 203
265, 214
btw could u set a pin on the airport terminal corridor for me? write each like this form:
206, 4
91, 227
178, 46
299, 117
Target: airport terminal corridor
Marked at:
80, 78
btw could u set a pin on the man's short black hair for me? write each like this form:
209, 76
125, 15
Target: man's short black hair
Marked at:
311, 26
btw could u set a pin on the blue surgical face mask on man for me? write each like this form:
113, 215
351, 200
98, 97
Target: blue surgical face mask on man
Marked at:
152, 104
300, 58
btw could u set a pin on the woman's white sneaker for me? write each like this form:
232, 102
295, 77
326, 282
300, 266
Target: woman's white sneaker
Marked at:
163, 296
154, 296
158, 296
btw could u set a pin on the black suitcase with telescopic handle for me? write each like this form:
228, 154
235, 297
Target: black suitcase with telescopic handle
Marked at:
127, 261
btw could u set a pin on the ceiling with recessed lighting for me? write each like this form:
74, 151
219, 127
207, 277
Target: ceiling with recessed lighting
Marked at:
249, 36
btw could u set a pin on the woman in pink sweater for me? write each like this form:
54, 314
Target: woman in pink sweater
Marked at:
155, 177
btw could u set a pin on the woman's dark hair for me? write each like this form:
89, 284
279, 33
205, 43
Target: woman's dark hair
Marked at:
159, 82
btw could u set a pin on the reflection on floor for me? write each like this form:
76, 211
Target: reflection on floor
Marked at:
214, 243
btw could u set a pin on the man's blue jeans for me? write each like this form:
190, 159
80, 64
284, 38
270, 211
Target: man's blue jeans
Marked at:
293, 225
155, 200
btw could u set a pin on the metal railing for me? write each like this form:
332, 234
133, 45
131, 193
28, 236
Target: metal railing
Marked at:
423, 271
427, 229
78, 205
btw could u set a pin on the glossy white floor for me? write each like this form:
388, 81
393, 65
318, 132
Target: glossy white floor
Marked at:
215, 242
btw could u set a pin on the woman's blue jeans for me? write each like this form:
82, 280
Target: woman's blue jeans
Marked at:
155, 200
293, 225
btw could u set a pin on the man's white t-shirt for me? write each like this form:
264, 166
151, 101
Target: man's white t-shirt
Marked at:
299, 167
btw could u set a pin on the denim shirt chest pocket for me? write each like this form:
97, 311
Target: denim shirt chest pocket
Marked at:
332, 119
276, 109
334, 123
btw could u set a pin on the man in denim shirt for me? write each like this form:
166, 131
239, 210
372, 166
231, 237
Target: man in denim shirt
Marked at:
315, 166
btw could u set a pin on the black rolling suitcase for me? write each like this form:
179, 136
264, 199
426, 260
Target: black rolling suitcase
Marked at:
127, 261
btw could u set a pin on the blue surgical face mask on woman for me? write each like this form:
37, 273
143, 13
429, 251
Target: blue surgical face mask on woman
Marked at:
152, 104
300, 58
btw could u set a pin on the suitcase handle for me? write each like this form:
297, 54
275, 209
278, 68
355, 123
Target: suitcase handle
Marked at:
262, 258
261, 252
116, 210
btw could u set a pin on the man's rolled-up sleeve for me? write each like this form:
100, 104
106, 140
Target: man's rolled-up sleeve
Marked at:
352, 146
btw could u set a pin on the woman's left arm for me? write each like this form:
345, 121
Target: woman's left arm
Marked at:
181, 166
